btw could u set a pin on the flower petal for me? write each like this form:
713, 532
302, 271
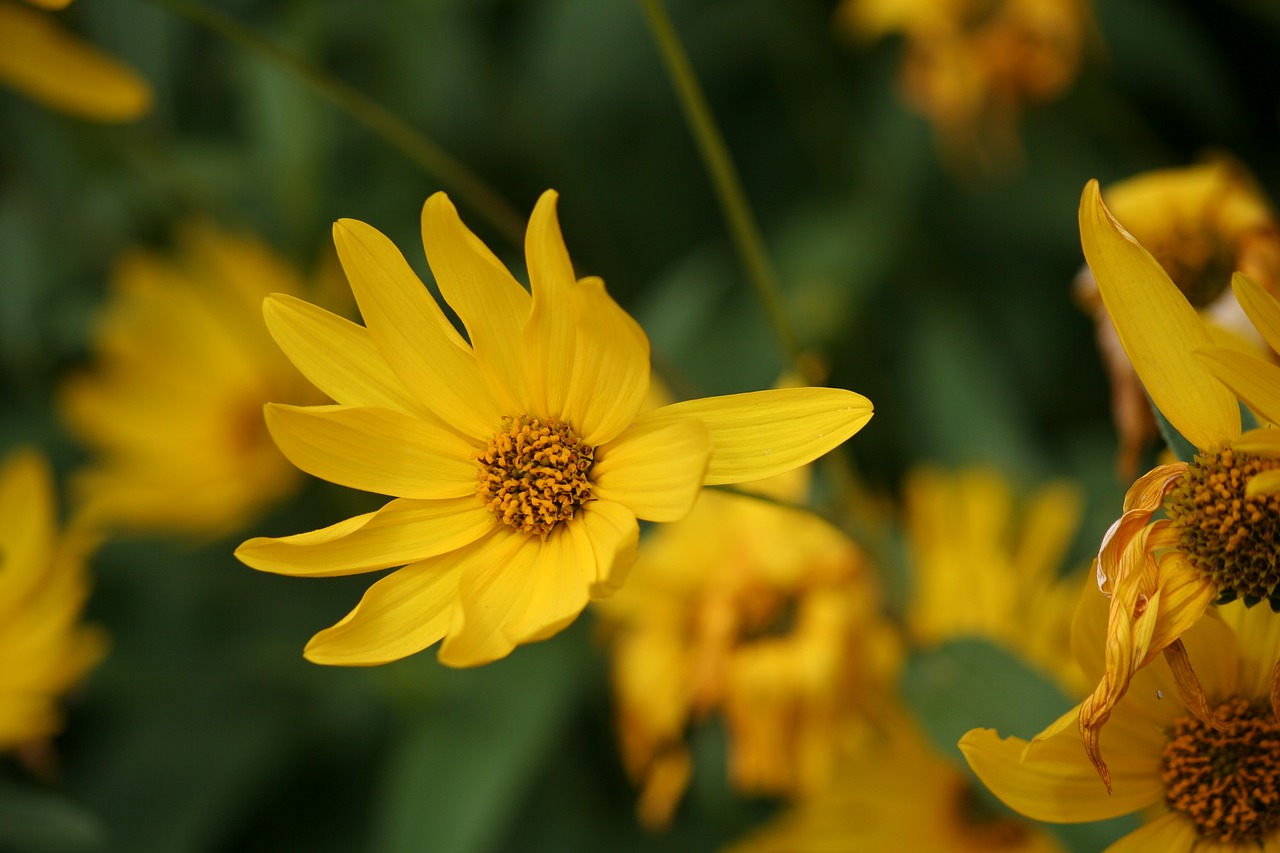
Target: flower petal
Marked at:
48, 63
27, 527
654, 469
491, 304
615, 538
414, 336
549, 336
1255, 381
565, 569
336, 355
376, 450
401, 614
1057, 783
403, 531
493, 593
610, 368
763, 433
1170, 833
1266, 483
1157, 327
1262, 308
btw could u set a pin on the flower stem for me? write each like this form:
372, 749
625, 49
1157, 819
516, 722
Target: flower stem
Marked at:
742, 224
427, 155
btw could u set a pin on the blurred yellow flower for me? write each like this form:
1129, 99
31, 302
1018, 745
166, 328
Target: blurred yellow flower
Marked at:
984, 567
518, 456
44, 649
971, 65
50, 65
1217, 539
1201, 223
896, 793
765, 614
173, 403
1203, 785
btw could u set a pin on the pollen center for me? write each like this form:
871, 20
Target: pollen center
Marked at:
1226, 782
1229, 536
535, 474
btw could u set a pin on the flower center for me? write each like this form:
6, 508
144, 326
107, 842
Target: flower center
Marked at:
1228, 536
535, 474
1199, 261
982, 825
1226, 782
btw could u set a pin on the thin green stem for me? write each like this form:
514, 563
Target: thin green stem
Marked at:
742, 224
424, 153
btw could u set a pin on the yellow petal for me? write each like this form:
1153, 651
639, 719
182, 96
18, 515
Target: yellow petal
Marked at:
549, 336
399, 615
493, 592
655, 469
403, 531
336, 355
1172, 832
764, 433
1157, 327
1264, 441
1262, 308
1059, 784
27, 526
1254, 381
1266, 483
491, 304
413, 335
615, 538
610, 368
51, 65
376, 450
561, 576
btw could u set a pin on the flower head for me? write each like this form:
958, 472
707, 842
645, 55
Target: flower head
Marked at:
39, 58
982, 566
44, 648
971, 65
761, 614
1205, 783
173, 402
1216, 540
518, 456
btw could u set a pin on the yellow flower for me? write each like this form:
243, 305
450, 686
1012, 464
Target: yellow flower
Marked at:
1200, 223
1203, 786
44, 650
981, 568
763, 614
173, 404
896, 794
50, 65
517, 456
971, 64
1216, 539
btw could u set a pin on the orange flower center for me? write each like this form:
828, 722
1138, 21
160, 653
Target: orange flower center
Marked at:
1228, 535
1226, 782
1198, 259
535, 474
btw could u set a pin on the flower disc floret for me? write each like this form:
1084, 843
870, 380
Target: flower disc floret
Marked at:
1228, 535
1226, 781
535, 474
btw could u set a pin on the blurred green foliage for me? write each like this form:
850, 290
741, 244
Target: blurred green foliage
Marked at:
943, 299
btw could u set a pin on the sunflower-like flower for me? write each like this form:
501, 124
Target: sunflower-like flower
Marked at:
1217, 538
44, 648
48, 64
518, 456
1201, 223
984, 565
971, 65
1204, 785
897, 793
760, 613
173, 402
